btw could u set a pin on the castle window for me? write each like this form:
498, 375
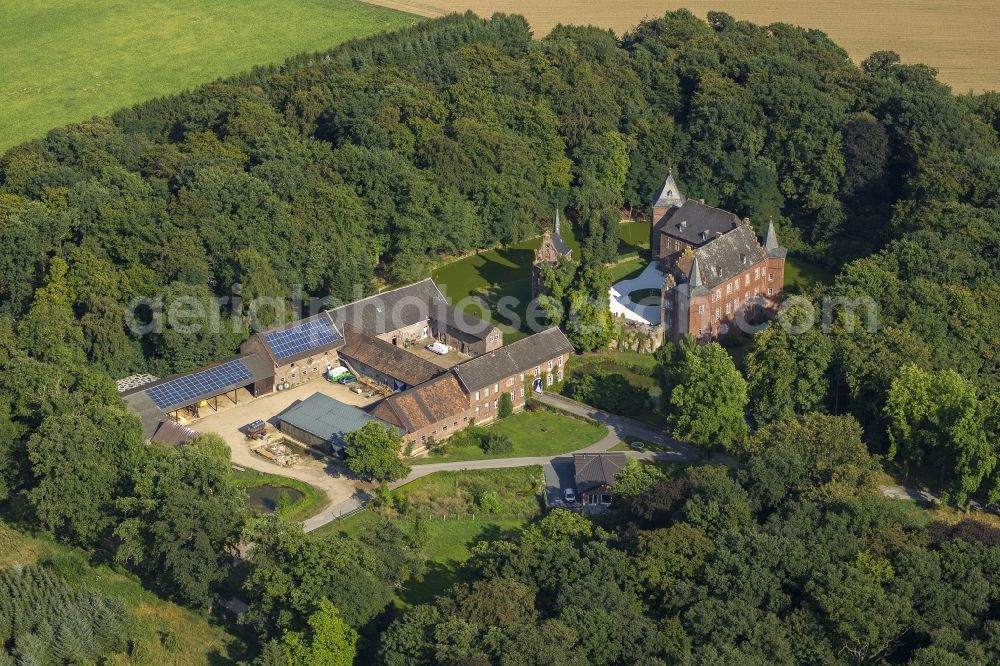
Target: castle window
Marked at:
770, 277
746, 282
559, 376
486, 392
550, 365
701, 309
522, 391
559, 361
770, 292
729, 289
718, 294
716, 314
477, 395
548, 379
736, 305
496, 388
729, 308
756, 273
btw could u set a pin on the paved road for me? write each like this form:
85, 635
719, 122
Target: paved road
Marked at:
558, 469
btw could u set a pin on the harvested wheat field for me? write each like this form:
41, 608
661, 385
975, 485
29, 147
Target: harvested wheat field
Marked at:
961, 38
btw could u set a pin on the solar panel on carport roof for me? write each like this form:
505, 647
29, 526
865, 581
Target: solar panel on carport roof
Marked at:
301, 338
204, 383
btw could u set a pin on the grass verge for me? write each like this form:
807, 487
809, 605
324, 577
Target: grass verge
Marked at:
532, 433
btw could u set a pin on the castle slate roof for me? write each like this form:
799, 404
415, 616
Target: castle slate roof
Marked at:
438, 400
388, 359
593, 470
728, 255
512, 359
669, 194
771, 244
561, 246
697, 224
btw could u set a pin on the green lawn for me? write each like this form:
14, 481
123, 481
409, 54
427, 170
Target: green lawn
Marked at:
634, 238
312, 500
627, 269
645, 296
801, 275
65, 61
539, 433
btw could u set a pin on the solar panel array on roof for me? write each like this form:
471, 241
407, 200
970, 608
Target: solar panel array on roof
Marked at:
211, 381
301, 337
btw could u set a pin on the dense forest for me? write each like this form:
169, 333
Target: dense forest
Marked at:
364, 165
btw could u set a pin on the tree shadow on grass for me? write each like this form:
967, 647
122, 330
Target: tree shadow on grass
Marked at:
441, 576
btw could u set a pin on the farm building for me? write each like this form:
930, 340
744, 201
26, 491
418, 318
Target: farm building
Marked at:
299, 352
520, 368
322, 422
436, 409
466, 333
247, 375
386, 364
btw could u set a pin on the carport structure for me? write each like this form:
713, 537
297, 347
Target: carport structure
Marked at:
167, 398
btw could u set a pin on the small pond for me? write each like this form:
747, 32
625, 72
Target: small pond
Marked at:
265, 499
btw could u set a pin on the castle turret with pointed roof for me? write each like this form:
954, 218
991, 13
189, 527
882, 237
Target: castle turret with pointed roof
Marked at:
552, 249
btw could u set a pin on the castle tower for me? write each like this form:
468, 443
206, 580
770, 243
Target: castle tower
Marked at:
667, 199
775, 267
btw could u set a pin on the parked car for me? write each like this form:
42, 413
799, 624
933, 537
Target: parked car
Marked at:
439, 348
346, 379
569, 496
335, 374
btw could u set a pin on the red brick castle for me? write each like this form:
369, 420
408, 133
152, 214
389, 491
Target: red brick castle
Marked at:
717, 269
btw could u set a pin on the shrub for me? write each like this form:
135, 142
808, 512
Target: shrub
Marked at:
610, 392
506, 407
497, 442
489, 502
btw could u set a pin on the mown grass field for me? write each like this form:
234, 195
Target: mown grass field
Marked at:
540, 433
64, 61
201, 640
958, 37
